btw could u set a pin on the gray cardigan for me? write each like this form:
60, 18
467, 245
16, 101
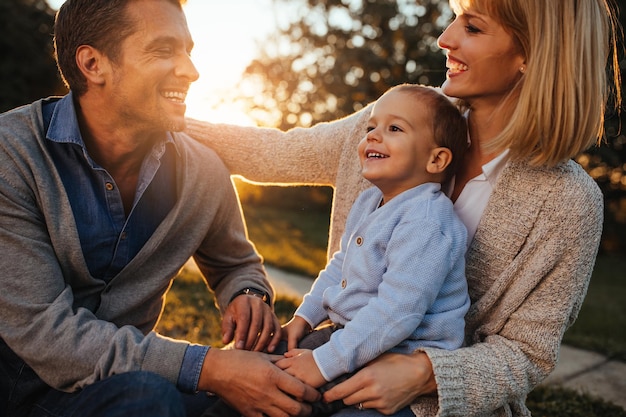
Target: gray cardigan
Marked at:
528, 266
73, 329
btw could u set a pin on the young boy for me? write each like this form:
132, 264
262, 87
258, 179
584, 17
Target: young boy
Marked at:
398, 281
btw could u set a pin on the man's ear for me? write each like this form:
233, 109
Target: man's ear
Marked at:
92, 63
438, 160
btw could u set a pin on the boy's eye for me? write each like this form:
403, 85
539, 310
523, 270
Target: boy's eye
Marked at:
369, 129
394, 128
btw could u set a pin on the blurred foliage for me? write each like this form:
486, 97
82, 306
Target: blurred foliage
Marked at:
330, 58
27, 69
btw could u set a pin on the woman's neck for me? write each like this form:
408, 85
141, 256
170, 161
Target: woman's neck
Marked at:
483, 126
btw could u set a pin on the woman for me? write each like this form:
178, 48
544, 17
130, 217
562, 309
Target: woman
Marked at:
531, 76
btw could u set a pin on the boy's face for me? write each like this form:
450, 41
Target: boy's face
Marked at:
399, 140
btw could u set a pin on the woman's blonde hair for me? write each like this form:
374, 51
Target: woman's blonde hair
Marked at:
563, 91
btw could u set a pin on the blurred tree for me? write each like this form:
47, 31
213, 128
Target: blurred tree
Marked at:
331, 57
27, 69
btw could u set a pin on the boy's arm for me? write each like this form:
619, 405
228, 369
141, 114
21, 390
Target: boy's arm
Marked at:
416, 270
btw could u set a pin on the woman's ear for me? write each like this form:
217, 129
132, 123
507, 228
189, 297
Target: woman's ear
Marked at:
438, 160
92, 63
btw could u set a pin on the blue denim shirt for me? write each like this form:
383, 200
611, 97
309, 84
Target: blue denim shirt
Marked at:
109, 239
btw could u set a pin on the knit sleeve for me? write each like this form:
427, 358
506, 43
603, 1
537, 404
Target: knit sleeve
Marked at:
324, 154
520, 314
298, 156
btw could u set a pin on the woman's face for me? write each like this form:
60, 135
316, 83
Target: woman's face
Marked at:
483, 60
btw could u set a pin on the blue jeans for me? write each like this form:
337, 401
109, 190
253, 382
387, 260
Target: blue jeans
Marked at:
24, 394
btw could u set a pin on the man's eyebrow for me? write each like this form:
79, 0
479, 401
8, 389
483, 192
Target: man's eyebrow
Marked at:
169, 40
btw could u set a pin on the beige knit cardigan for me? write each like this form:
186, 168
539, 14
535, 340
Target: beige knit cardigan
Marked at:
528, 266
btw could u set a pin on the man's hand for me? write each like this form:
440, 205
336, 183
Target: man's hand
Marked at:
251, 383
252, 323
301, 364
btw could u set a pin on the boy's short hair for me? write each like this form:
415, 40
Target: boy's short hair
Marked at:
449, 126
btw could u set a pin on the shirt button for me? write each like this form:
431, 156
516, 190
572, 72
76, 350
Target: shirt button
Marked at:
108, 186
123, 236
343, 283
359, 241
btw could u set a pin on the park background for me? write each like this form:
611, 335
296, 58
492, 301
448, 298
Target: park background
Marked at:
287, 63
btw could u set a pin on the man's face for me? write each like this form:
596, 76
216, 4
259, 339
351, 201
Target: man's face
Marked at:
152, 76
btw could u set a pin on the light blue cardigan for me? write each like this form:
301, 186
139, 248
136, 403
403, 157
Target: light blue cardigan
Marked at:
397, 283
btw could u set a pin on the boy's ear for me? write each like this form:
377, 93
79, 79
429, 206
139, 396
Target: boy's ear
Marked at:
438, 160
92, 63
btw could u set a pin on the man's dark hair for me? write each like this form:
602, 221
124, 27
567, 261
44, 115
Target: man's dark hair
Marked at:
102, 24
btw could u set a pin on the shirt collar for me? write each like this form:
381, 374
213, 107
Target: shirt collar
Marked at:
64, 123
64, 127
492, 169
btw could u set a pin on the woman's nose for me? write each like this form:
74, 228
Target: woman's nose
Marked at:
446, 39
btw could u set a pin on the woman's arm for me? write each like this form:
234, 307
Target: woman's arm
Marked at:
298, 156
324, 154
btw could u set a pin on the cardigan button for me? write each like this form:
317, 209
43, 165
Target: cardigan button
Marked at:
343, 283
359, 241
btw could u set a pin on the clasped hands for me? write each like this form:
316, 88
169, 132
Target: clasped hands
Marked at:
253, 326
255, 383
245, 377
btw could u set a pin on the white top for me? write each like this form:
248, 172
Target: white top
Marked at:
471, 203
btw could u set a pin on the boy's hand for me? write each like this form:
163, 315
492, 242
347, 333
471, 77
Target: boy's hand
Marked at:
294, 331
300, 363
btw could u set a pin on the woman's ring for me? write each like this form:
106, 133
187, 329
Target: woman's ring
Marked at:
361, 406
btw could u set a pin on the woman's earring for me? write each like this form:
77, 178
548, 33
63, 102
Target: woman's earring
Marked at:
522, 69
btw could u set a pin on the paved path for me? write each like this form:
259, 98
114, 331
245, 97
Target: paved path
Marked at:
590, 373
586, 372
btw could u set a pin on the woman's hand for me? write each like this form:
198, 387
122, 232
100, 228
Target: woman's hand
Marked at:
388, 383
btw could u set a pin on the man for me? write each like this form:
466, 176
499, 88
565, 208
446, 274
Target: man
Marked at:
100, 205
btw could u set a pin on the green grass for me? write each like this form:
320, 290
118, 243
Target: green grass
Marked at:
551, 401
290, 239
602, 318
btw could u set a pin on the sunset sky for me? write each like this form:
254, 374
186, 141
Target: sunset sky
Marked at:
225, 35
